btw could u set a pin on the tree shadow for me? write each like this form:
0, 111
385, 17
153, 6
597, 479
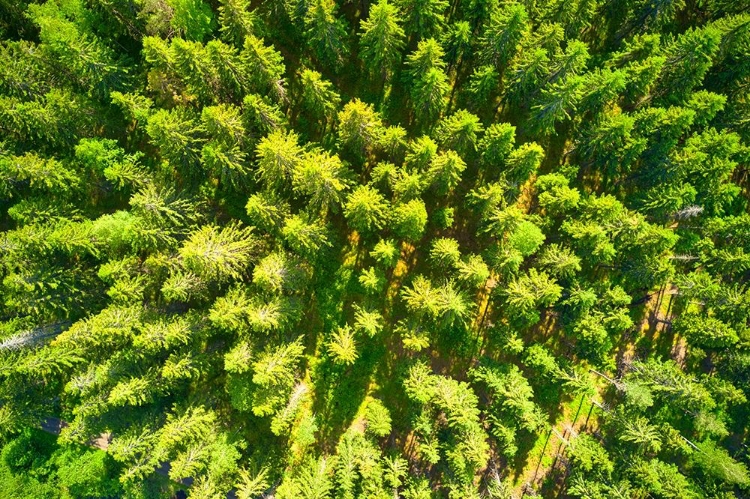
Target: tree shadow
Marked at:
339, 393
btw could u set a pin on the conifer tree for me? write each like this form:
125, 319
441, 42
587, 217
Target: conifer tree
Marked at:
236, 21
219, 253
506, 28
325, 32
360, 126
343, 347
382, 39
319, 96
320, 249
366, 209
323, 178
265, 67
279, 157
423, 18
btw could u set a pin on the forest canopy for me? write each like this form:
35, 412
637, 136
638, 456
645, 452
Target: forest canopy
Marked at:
392, 249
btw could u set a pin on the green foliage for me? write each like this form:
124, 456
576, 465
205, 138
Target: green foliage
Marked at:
505, 28
191, 18
325, 32
303, 236
410, 219
382, 38
445, 252
360, 126
496, 144
34, 462
176, 134
378, 419
390, 249
310, 482
274, 374
386, 252
719, 465
706, 331
87, 473
261, 115
526, 238
318, 95
236, 21
264, 66
445, 171
343, 347
460, 131
279, 157
323, 178
219, 254
366, 209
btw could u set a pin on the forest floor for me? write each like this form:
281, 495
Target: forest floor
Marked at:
544, 469
654, 332
54, 426
577, 416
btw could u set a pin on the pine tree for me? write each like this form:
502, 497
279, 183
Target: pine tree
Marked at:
38, 174
386, 252
445, 252
642, 434
275, 374
460, 131
555, 104
422, 297
457, 43
323, 178
532, 290
223, 154
343, 347
251, 486
278, 272
191, 18
524, 161
428, 55
506, 28
410, 219
319, 96
219, 254
360, 126
445, 171
177, 134
279, 157
688, 59
382, 39
473, 271
720, 466
265, 67
423, 17
526, 76
453, 305
236, 21
325, 32
262, 117
428, 96
304, 236
560, 261
92, 64
366, 209
311, 481
368, 322
372, 280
